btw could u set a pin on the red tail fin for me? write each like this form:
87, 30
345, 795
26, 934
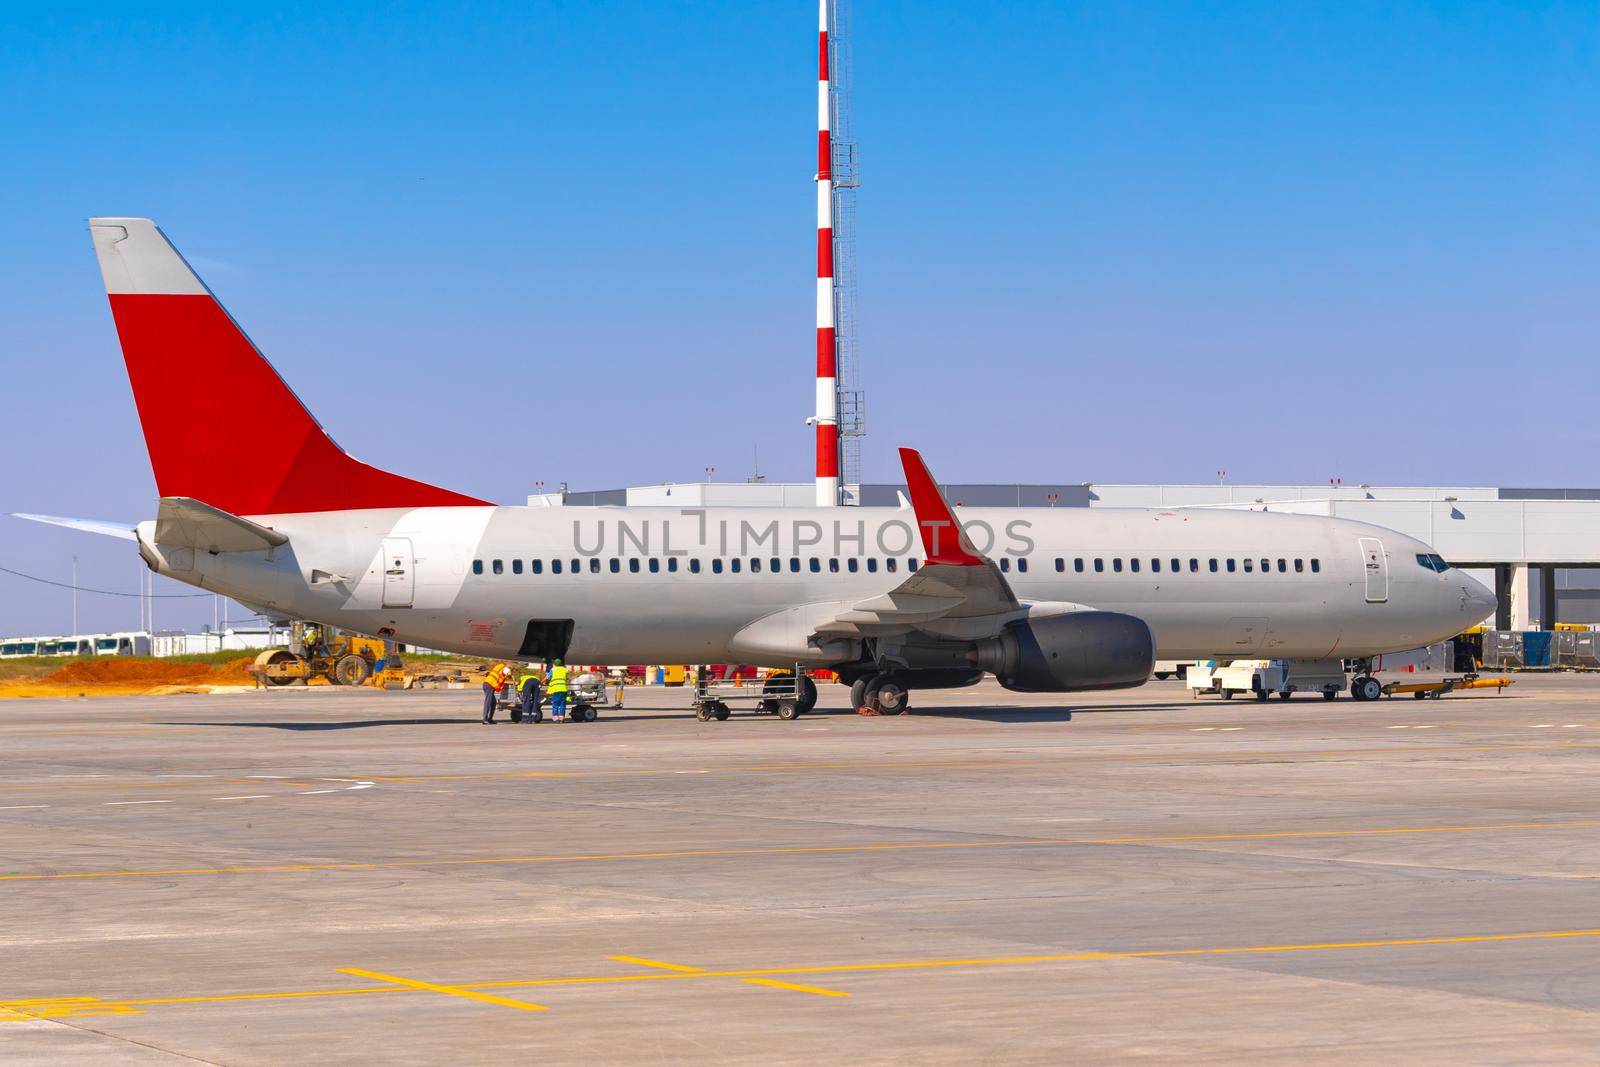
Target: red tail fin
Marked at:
196, 377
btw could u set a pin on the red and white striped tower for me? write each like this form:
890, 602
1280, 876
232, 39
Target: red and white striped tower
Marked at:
827, 416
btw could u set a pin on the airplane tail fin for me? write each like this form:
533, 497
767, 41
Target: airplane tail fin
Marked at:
197, 379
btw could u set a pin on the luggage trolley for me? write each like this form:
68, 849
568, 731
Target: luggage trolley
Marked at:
783, 694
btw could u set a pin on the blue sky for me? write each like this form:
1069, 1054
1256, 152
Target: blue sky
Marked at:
491, 244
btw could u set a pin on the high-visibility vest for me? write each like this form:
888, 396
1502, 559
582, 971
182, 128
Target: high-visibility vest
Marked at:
558, 680
531, 676
499, 674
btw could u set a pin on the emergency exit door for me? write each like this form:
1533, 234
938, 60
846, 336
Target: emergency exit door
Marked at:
1377, 567
399, 572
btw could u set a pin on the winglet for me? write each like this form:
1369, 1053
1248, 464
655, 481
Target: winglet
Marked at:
943, 540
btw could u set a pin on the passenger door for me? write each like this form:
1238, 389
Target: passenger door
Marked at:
399, 572
1377, 568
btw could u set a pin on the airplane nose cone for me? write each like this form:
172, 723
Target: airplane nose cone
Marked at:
1478, 600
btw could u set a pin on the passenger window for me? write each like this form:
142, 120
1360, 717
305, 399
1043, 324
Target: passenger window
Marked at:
616, 565
1213, 566
1133, 564
672, 565
694, 566
716, 566
890, 564
777, 565
516, 566
555, 566
1230, 566
1316, 566
1061, 565
913, 564
1077, 565
498, 567
1155, 566
1005, 565
477, 566
1177, 565
594, 565
1099, 565
794, 564
872, 564
1116, 564
1299, 566
852, 565
655, 565
1266, 566
1249, 565
833, 564
755, 565
816, 565
733, 565
1283, 566
536, 565
633, 565
1022, 566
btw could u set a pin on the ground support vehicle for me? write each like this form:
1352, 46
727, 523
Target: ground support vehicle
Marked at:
1264, 677
787, 694
342, 658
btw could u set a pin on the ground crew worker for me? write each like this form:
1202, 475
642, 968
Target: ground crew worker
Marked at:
528, 686
311, 638
493, 682
557, 688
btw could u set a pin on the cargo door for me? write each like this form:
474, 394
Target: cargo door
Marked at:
399, 572
1377, 568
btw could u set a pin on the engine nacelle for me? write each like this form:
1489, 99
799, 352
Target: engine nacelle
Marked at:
1068, 653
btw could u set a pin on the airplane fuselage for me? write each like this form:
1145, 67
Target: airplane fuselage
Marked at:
660, 585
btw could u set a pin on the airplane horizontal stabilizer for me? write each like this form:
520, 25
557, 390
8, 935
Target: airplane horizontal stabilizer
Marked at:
104, 528
183, 522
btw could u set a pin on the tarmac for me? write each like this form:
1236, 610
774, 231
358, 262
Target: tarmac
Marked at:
319, 876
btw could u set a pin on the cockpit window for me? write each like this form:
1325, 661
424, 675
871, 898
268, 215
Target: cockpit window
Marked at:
1433, 561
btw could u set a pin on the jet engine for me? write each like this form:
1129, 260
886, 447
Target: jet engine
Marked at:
1068, 653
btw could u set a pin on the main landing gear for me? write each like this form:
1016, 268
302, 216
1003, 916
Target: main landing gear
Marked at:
880, 694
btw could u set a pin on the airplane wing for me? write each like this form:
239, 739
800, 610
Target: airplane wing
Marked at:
958, 593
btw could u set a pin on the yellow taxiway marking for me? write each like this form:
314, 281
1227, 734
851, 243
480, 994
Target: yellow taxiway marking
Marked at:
796, 988
448, 990
796, 850
641, 961
682, 968
768, 974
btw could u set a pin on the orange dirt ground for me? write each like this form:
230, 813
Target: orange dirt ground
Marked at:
116, 676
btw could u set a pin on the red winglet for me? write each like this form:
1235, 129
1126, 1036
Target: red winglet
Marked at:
943, 540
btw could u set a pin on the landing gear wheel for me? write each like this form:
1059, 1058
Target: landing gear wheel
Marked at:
858, 692
351, 670
1366, 687
788, 710
890, 697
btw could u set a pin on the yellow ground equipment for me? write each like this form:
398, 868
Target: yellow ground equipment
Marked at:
1435, 690
342, 658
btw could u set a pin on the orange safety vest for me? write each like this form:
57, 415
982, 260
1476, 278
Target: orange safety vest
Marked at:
499, 675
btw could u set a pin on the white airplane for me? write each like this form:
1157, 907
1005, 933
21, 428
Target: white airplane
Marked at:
894, 599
